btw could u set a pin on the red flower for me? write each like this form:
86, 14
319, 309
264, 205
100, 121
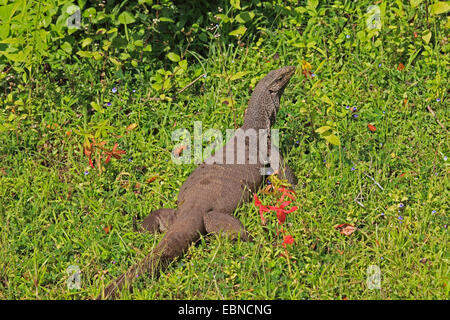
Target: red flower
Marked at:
281, 216
262, 208
288, 239
91, 163
287, 193
371, 127
279, 210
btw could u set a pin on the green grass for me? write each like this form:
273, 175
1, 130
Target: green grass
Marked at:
53, 215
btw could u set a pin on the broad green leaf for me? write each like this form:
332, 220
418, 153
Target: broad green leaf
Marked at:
86, 42
300, 9
106, 44
12, 41
361, 35
4, 30
97, 107
167, 84
124, 56
97, 55
178, 70
238, 75
67, 47
245, 17
173, 57
157, 86
427, 37
223, 17
415, 3
236, 4
164, 19
89, 13
84, 54
16, 57
126, 18
183, 64
333, 139
238, 32
323, 129
439, 7
312, 4
115, 61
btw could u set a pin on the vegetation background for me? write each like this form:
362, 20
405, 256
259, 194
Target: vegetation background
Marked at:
92, 90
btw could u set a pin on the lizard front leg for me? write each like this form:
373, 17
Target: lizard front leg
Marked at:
287, 173
217, 222
159, 220
280, 166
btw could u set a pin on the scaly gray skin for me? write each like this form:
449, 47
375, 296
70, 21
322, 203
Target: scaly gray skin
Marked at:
212, 192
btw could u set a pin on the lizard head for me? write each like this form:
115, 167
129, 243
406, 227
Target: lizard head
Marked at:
265, 100
277, 80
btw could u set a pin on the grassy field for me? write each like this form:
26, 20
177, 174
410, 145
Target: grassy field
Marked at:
389, 179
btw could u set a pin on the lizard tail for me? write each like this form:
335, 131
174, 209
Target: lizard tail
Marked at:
174, 243
151, 264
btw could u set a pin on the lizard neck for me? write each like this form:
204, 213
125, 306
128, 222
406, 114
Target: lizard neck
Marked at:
261, 111
265, 99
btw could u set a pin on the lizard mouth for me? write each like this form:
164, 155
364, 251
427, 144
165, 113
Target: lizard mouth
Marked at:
289, 73
290, 70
